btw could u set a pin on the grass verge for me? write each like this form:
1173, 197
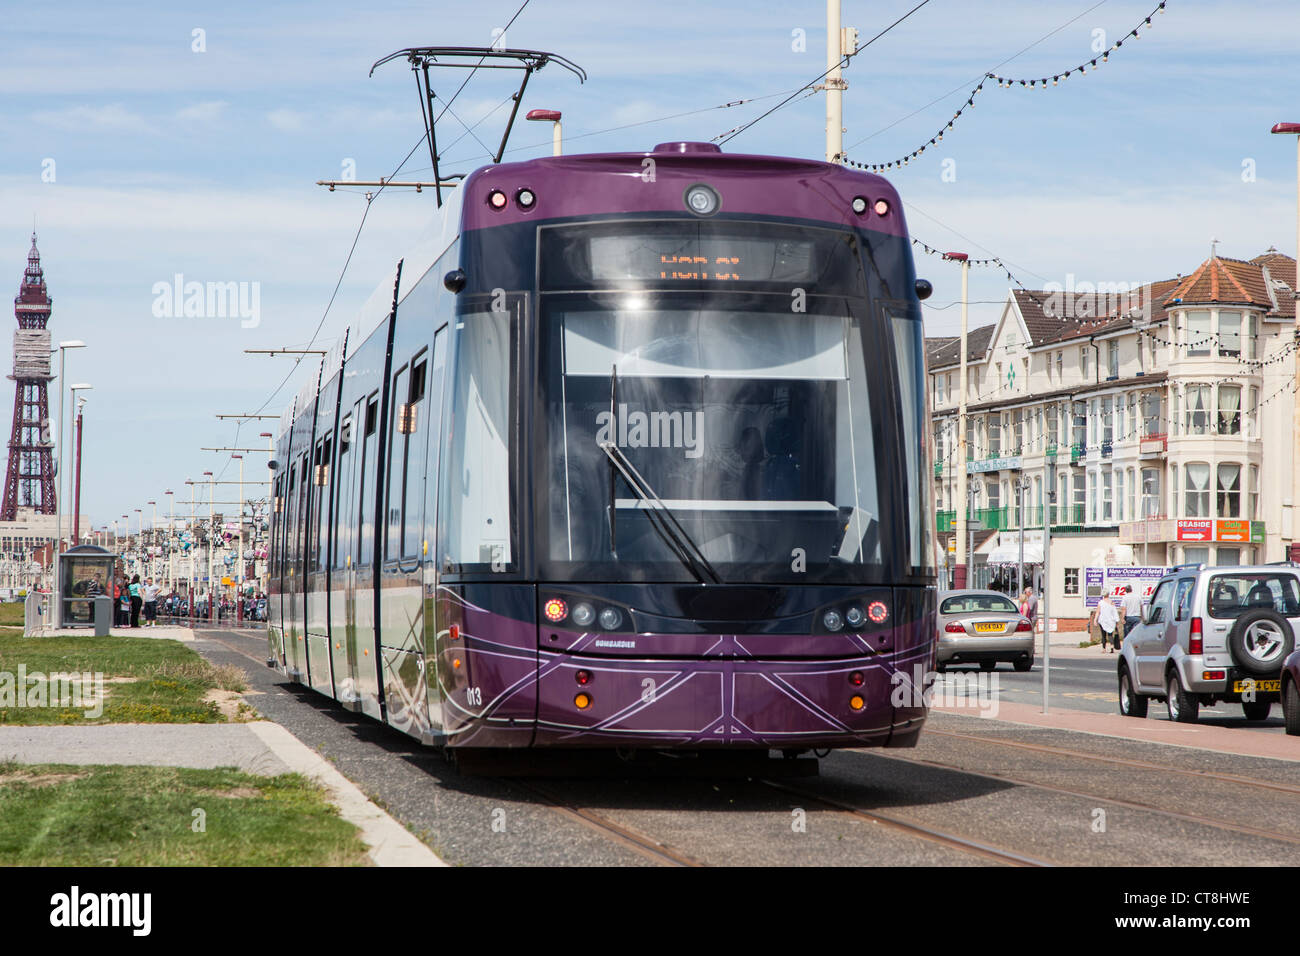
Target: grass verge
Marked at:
145, 681
65, 815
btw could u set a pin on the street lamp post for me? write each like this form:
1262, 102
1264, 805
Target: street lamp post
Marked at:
58, 494
76, 496
1294, 555
552, 116
212, 517
239, 557
959, 575
171, 542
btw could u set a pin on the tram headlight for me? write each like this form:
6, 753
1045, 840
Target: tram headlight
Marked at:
583, 614
525, 198
832, 620
854, 616
702, 200
859, 205
611, 618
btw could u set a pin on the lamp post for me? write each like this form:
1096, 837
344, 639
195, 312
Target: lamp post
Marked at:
239, 556
1294, 555
212, 517
58, 494
959, 567
1022, 485
552, 116
972, 492
171, 542
76, 496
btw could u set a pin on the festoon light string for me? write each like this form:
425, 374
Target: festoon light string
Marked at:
1006, 82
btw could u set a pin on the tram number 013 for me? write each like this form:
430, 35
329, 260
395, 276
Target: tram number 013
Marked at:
474, 696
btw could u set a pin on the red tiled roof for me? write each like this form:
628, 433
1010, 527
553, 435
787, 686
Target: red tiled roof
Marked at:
1223, 281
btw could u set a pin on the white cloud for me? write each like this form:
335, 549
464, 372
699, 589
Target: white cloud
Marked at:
205, 112
112, 117
288, 120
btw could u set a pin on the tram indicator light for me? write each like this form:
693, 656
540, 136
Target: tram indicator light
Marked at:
856, 702
497, 199
582, 701
582, 677
878, 612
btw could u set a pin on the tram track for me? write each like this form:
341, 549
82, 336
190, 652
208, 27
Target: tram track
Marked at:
1128, 762
920, 831
1095, 797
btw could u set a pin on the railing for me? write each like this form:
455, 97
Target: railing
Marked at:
1065, 517
1076, 453
938, 469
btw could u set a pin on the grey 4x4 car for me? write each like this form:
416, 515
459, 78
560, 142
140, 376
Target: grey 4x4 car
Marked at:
1211, 635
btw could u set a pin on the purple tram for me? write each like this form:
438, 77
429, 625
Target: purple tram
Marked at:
629, 454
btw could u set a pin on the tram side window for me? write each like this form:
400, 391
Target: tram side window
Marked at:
291, 511
477, 534
396, 456
277, 529
342, 537
320, 516
300, 540
406, 463
366, 522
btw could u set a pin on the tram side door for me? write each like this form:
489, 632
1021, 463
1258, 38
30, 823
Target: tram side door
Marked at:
343, 609
433, 625
366, 672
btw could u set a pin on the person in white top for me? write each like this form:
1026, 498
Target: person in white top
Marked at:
1108, 621
1132, 609
150, 603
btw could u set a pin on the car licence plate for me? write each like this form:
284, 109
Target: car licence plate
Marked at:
990, 628
1258, 686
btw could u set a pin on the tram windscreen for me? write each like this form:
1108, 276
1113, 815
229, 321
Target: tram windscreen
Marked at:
750, 422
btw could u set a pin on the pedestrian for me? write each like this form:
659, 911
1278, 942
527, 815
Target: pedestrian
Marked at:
150, 603
1029, 605
1132, 609
1108, 621
123, 604
136, 600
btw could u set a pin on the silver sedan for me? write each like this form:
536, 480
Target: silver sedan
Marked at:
983, 627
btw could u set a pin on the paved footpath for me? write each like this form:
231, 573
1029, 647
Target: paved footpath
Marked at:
258, 747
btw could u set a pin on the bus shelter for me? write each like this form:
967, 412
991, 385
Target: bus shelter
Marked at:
85, 573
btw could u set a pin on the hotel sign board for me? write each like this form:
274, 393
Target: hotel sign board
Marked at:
994, 464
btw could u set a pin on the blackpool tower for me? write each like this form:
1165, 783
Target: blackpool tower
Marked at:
29, 479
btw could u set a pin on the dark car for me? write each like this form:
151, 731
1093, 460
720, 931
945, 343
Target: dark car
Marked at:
1291, 693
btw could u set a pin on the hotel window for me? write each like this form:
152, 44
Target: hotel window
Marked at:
1197, 338
1229, 410
1198, 409
1092, 496
1132, 433
1227, 557
1174, 420
1060, 365
1051, 425
1151, 492
1196, 502
995, 435
1080, 424
940, 395
1230, 334
1253, 501
1132, 494
1107, 505
971, 452
1112, 358
1229, 496
1151, 347
1173, 490
1083, 360
1080, 495
994, 492
1196, 555
949, 377
1018, 429
1252, 335
1092, 422
1151, 413
1072, 581
1252, 413
1119, 494
1107, 422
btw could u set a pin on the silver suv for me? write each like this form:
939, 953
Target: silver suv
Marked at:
1209, 635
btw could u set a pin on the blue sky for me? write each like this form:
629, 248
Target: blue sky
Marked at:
167, 160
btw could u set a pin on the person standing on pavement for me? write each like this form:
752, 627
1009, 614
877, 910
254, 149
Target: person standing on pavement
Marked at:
123, 603
1029, 605
1132, 609
136, 600
150, 603
1108, 621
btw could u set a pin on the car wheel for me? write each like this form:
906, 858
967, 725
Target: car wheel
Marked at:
1183, 707
988, 665
1291, 708
1131, 703
1023, 666
1257, 710
1259, 641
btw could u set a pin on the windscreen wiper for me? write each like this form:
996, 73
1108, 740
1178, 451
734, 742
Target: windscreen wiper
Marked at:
661, 517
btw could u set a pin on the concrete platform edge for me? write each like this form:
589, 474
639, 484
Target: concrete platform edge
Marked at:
390, 843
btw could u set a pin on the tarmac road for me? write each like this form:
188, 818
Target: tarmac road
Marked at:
974, 792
